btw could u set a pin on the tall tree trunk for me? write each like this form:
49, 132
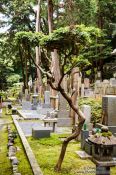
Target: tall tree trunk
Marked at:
38, 50
26, 73
56, 72
55, 69
22, 65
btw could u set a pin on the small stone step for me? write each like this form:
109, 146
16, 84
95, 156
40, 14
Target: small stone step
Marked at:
83, 154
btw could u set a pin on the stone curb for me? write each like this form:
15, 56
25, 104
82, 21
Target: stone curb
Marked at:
33, 162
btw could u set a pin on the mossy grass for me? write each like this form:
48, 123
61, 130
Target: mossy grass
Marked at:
5, 164
47, 156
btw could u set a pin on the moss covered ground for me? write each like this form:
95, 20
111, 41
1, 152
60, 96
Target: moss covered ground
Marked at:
47, 152
5, 164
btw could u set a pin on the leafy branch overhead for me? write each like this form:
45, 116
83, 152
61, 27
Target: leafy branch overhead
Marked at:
71, 37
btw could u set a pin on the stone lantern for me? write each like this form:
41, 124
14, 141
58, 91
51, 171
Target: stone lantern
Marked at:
102, 151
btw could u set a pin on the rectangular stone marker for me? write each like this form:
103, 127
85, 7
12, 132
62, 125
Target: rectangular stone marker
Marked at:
109, 110
40, 132
63, 114
46, 99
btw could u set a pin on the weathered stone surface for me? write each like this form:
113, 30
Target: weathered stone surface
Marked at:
26, 105
109, 110
84, 136
15, 161
64, 122
63, 113
9, 144
86, 109
41, 132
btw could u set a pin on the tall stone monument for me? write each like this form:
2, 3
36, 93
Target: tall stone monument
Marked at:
63, 114
109, 110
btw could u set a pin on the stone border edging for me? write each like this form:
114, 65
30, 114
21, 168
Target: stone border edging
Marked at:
33, 162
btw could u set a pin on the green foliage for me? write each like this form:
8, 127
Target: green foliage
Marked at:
96, 108
106, 134
13, 79
78, 34
29, 37
3, 94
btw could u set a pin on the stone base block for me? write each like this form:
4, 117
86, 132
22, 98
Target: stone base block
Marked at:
40, 132
64, 122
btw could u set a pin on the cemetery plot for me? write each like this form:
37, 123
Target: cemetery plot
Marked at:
27, 126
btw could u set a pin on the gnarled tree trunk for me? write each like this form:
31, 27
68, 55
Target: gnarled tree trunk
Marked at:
75, 134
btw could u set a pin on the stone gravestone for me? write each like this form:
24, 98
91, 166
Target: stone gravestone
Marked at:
63, 114
105, 85
46, 99
26, 95
34, 101
113, 82
26, 105
109, 110
86, 82
86, 109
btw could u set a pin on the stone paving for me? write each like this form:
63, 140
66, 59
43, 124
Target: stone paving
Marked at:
27, 126
34, 114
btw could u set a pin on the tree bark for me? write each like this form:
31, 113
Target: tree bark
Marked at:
22, 65
75, 134
55, 68
38, 50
